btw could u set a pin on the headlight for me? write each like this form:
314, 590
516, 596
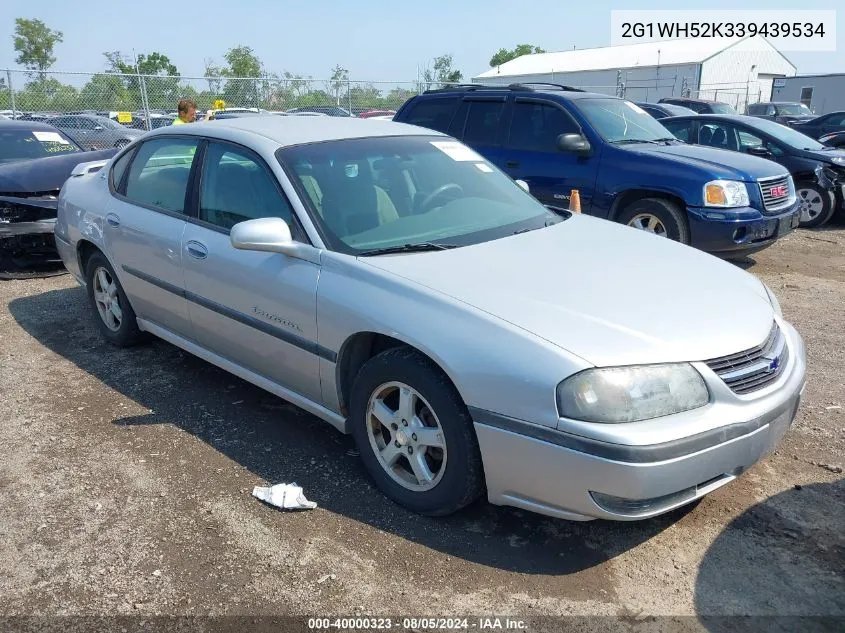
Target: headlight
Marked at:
628, 394
774, 300
838, 160
725, 193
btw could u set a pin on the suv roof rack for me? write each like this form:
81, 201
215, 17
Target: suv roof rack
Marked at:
527, 85
517, 86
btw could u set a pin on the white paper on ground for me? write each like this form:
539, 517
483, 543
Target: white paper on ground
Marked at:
285, 496
49, 137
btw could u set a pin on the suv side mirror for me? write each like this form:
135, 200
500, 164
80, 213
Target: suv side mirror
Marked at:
523, 185
270, 235
574, 143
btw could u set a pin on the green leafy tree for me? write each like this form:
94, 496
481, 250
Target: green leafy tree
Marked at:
160, 77
213, 74
108, 92
339, 80
504, 55
243, 77
441, 72
34, 42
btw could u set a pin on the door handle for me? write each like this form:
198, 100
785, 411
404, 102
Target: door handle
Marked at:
196, 249
512, 163
113, 219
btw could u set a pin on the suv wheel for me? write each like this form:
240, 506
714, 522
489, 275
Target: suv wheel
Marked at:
817, 204
656, 215
115, 317
415, 434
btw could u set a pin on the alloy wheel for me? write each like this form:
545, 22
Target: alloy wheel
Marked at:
107, 299
649, 223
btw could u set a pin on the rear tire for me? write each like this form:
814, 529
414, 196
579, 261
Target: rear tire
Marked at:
432, 434
658, 216
114, 316
817, 204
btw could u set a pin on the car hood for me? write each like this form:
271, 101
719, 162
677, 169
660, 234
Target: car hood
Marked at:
607, 293
44, 174
717, 163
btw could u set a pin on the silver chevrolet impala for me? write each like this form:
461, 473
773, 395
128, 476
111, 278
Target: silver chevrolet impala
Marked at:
474, 342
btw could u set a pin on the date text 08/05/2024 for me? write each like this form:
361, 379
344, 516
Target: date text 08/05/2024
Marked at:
360, 623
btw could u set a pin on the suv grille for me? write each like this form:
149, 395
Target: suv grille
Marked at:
777, 193
754, 368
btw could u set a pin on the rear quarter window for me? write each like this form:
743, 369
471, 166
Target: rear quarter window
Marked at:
434, 114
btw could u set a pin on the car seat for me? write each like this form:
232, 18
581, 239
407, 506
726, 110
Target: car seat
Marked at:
719, 138
704, 136
351, 202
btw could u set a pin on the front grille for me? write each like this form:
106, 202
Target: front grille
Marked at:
777, 193
753, 368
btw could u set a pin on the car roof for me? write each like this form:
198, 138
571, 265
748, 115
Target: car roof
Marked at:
736, 118
555, 90
298, 130
12, 124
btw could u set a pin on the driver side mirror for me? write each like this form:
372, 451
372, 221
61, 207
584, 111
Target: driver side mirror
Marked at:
574, 143
759, 150
97, 128
269, 235
523, 185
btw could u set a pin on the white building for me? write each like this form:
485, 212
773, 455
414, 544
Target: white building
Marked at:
718, 69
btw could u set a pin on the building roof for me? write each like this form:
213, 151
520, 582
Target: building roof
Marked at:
645, 54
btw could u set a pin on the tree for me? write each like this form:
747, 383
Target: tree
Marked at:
504, 55
213, 74
339, 79
242, 62
442, 72
161, 92
34, 42
243, 73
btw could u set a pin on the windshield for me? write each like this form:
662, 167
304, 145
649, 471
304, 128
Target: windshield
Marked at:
617, 120
787, 135
107, 123
722, 108
793, 108
385, 192
28, 144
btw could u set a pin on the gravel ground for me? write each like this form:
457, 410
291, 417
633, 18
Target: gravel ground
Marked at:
126, 479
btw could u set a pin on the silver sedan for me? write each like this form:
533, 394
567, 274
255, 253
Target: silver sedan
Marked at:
475, 343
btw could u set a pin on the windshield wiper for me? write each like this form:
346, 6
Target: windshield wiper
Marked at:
625, 141
408, 248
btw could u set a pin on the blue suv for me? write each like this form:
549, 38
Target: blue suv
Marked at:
625, 165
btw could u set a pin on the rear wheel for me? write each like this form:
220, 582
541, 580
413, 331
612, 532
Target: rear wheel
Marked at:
114, 316
817, 204
656, 215
415, 434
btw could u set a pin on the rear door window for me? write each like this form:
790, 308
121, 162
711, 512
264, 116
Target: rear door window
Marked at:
482, 124
159, 174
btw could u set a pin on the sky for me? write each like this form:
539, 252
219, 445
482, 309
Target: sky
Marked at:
376, 40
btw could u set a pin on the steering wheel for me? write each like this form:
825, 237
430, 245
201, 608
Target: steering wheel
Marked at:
439, 192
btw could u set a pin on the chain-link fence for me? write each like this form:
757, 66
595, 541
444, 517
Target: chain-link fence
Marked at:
124, 105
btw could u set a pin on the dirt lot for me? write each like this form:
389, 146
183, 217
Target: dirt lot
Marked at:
126, 479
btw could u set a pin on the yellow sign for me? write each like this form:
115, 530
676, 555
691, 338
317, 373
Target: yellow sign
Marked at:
124, 117
219, 104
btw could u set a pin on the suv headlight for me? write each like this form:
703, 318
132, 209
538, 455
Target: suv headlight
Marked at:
627, 394
725, 194
774, 300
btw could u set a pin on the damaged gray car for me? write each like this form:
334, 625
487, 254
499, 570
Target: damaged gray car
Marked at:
35, 161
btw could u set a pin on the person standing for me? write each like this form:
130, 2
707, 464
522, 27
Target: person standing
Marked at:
186, 112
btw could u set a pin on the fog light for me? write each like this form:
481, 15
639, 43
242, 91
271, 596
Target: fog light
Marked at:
740, 234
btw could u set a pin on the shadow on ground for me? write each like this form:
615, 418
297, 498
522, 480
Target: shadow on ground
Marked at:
279, 442
781, 564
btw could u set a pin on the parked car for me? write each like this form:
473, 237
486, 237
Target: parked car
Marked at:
329, 110
156, 121
379, 113
834, 139
781, 112
361, 269
625, 165
35, 160
819, 126
818, 171
702, 106
662, 110
94, 132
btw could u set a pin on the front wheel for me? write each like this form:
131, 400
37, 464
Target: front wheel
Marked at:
657, 215
817, 204
415, 434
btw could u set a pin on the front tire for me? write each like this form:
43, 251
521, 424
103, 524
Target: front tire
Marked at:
657, 215
817, 204
414, 433
114, 316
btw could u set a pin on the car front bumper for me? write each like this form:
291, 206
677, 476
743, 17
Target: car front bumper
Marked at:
568, 476
738, 232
